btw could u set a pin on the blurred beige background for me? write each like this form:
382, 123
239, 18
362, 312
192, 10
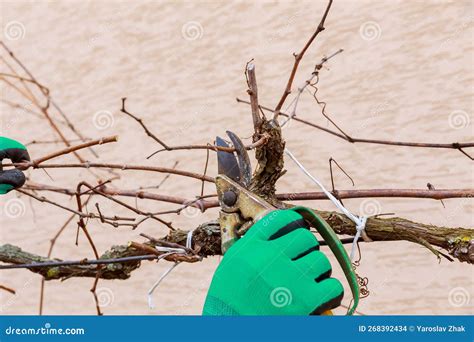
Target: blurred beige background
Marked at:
406, 74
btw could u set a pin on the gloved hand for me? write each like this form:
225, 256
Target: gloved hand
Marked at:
17, 153
275, 269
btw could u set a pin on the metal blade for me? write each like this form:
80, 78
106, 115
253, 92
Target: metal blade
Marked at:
226, 162
244, 161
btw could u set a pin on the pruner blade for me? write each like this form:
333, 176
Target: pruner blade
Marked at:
227, 162
244, 160
238, 169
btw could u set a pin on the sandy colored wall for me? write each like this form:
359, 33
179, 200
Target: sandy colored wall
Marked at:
407, 67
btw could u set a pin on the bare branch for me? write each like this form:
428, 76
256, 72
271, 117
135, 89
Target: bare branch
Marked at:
253, 93
262, 141
48, 97
298, 58
36, 162
5, 288
436, 194
201, 204
87, 165
388, 193
140, 121
458, 242
455, 146
166, 147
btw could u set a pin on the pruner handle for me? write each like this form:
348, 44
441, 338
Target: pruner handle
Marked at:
337, 249
229, 222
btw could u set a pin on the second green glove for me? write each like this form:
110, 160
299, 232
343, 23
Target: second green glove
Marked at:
16, 152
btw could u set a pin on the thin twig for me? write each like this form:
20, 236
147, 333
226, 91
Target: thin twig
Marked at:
298, 58
140, 121
49, 99
205, 172
436, 194
389, 193
81, 223
455, 146
202, 204
50, 251
87, 165
123, 204
332, 160
8, 289
166, 147
260, 142
36, 162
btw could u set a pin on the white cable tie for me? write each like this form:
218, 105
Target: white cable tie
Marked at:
359, 221
155, 285
169, 249
189, 239
163, 276
360, 228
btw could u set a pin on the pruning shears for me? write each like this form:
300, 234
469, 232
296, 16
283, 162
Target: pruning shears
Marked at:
241, 208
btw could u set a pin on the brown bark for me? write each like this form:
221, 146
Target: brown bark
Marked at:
457, 242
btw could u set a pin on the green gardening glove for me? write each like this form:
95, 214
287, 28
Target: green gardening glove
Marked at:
17, 153
275, 269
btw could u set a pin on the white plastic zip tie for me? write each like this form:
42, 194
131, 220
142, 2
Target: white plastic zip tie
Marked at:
360, 221
189, 239
169, 251
155, 285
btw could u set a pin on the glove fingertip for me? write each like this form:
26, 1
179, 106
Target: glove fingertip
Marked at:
14, 178
332, 303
